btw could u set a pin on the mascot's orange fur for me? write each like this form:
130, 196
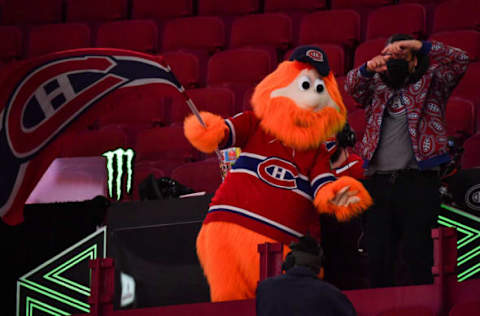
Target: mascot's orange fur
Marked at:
297, 121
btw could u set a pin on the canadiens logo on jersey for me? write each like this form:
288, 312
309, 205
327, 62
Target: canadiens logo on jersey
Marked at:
278, 173
42, 97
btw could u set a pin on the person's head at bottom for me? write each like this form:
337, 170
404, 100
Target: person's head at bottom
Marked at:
304, 253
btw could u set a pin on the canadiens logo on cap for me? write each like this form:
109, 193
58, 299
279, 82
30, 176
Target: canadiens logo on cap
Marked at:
315, 55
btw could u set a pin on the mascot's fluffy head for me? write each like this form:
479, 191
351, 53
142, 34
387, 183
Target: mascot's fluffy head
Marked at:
299, 103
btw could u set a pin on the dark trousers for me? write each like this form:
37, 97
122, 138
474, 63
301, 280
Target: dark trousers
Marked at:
405, 209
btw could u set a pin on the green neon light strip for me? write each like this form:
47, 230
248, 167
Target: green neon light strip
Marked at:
469, 255
23, 281
100, 231
457, 224
109, 155
55, 295
57, 278
472, 253
130, 155
31, 303
467, 233
460, 212
119, 154
469, 272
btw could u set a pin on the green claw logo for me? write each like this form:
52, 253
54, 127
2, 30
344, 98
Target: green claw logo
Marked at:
116, 157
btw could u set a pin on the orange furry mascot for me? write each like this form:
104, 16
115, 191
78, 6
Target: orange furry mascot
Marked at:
282, 179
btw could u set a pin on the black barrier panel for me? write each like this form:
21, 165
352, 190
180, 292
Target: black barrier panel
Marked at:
153, 245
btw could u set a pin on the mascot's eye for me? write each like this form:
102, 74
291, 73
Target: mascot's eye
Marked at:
319, 86
304, 83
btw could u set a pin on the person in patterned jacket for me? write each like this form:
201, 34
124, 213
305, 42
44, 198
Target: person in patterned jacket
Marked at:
404, 91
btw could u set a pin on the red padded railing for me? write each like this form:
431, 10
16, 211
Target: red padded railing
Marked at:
438, 297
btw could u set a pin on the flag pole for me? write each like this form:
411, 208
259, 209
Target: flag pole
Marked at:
195, 112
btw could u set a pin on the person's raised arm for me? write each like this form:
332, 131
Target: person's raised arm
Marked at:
359, 80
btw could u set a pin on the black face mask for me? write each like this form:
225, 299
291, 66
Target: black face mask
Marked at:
397, 73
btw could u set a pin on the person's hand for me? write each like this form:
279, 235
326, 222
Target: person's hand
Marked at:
400, 49
378, 63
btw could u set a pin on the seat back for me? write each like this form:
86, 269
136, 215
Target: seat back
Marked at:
225, 7
408, 18
44, 39
31, 12
367, 50
138, 35
200, 176
201, 32
95, 10
276, 31
10, 43
334, 26
468, 40
150, 9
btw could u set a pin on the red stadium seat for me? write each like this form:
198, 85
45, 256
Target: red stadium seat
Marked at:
10, 43
226, 7
138, 35
406, 18
363, 8
468, 40
357, 122
351, 4
456, 15
153, 9
185, 66
95, 10
429, 6
216, 100
460, 116
220, 101
276, 31
204, 33
288, 5
335, 56
200, 176
31, 12
468, 86
165, 144
238, 69
336, 26
140, 111
92, 143
44, 39
470, 159
367, 50
241, 65
349, 102
408, 311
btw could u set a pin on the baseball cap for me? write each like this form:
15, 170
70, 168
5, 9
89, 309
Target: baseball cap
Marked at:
314, 56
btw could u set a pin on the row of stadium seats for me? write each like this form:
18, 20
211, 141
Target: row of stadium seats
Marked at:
199, 62
274, 29
160, 143
57, 11
165, 152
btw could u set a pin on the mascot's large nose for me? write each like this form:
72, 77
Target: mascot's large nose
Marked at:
307, 91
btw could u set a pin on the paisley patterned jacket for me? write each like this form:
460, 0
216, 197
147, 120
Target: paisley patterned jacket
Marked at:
425, 101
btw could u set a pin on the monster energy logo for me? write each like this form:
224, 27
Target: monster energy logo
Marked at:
116, 158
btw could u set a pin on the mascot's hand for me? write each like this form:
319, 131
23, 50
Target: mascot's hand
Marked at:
344, 198
205, 139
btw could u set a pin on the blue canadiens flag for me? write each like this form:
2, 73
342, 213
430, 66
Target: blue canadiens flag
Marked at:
42, 97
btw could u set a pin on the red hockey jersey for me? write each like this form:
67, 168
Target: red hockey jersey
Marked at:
270, 188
